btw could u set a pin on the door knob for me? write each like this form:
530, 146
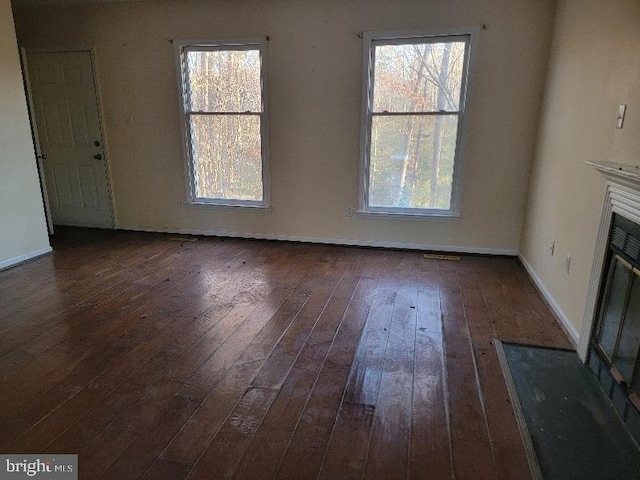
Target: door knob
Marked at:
98, 156
42, 157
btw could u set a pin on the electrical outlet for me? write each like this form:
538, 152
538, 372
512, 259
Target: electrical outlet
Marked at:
349, 212
552, 248
567, 264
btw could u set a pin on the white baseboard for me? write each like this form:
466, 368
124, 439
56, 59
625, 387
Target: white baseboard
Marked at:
330, 241
11, 262
562, 318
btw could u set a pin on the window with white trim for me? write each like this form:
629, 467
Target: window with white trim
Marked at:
413, 120
224, 121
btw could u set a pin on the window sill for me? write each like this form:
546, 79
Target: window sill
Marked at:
429, 217
239, 206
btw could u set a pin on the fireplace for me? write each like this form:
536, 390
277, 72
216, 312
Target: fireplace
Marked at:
617, 334
610, 338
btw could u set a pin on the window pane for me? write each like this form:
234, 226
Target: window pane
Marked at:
227, 157
418, 77
412, 161
224, 81
627, 353
614, 307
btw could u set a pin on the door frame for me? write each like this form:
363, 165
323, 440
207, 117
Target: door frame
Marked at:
34, 128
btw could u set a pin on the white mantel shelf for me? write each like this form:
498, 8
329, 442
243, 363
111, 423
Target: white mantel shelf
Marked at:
619, 172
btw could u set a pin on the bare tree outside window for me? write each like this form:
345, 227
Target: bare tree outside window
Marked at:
224, 114
415, 102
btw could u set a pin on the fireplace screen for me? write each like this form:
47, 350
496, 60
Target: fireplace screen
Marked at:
618, 333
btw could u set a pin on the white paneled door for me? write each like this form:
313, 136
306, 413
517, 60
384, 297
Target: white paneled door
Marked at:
69, 140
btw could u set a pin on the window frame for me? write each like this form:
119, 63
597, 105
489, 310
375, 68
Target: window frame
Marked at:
468, 34
181, 47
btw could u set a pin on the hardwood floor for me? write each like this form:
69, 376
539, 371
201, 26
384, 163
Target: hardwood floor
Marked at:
163, 357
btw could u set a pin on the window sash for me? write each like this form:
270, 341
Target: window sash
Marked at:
430, 39
186, 79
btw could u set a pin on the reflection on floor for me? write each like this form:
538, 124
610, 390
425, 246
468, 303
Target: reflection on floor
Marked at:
155, 357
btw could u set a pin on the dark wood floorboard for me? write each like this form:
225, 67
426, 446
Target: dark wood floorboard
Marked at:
176, 357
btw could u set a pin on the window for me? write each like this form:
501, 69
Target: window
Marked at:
224, 121
413, 109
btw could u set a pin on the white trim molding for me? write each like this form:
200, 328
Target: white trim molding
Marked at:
622, 197
12, 262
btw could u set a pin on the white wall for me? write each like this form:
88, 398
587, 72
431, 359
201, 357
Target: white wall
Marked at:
23, 231
314, 60
594, 66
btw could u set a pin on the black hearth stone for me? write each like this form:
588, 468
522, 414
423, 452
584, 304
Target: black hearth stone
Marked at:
575, 430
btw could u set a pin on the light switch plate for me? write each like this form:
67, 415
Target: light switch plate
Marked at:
622, 110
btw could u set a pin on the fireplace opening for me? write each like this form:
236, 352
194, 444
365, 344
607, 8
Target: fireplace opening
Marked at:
615, 345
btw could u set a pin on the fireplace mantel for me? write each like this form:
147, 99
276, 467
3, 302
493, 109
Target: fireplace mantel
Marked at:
624, 174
